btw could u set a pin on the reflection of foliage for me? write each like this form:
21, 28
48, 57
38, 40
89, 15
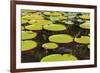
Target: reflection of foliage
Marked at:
55, 32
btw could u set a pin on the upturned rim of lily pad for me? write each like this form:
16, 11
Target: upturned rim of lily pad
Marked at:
83, 40
28, 45
28, 35
61, 38
58, 57
33, 27
50, 45
54, 27
85, 25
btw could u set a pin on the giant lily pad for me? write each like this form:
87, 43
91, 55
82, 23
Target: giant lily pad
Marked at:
61, 38
85, 25
68, 22
34, 27
40, 22
28, 45
58, 57
49, 45
55, 27
83, 40
28, 35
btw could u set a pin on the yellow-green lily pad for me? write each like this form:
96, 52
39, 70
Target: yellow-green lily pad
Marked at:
58, 57
83, 40
85, 25
34, 27
40, 22
49, 45
61, 38
28, 45
54, 27
28, 35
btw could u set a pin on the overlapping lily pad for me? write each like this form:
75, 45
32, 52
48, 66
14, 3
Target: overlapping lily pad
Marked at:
58, 57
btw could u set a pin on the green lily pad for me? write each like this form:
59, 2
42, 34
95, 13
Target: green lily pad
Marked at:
24, 21
28, 35
28, 45
85, 16
83, 40
26, 17
85, 25
58, 57
54, 18
49, 45
40, 22
34, 27
61, 38
54, 27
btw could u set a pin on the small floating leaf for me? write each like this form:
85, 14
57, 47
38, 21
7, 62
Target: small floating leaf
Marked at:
58, 57
49, 45
28, 35
61, 38
28, 45
54, 27
83, 40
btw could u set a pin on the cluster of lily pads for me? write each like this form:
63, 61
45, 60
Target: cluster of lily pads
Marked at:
54, 36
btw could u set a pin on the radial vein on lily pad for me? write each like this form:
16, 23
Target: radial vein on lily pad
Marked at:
58, 57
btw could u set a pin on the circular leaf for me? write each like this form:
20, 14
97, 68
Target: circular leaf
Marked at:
49, 45
28, 45
55, 27
58, 57
61, 38
28, 35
